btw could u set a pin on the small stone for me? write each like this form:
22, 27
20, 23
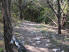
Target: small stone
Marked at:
37, 38
56, 49
62, 51
48, 40
38, 42
47, 45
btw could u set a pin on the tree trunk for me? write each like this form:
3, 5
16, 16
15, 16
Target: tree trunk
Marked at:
7, 24
59, 25
59, 16
67, 7
20, 9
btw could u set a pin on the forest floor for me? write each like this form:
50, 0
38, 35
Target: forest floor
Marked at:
41, 38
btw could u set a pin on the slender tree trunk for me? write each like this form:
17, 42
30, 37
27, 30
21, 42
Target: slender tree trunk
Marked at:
7, 24
59, 25
58, 14
20, 9
67, 7
59, 17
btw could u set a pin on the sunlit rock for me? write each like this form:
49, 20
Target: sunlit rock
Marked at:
37, 38
48, 40
38, 42
47, 45
62, 51
56, 50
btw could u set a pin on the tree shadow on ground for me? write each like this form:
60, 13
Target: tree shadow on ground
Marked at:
38, 40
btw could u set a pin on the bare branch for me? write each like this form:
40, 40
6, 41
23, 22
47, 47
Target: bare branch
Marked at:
63, 9
51, 7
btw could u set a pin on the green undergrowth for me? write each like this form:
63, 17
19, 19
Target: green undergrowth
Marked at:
1, 49
64, 46
41, 26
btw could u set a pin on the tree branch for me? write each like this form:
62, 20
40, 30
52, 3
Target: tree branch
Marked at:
63, 9
48, 2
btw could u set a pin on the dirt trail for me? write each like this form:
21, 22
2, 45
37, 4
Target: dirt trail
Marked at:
36, 37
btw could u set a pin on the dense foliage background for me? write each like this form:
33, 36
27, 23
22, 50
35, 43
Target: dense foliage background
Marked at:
38, 11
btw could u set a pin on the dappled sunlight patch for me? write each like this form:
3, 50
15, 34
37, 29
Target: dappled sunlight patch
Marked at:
64, 32
18, 21
17, 27
1, 31
1, 27
66, 39
1, 43
39, 37
36, 49
40, 26
1, 24
43, 28
29, 28
17, 34
47, 25
32, 24
56, 41
52, 30
66, 43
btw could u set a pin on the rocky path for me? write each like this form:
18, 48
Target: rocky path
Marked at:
38, 38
